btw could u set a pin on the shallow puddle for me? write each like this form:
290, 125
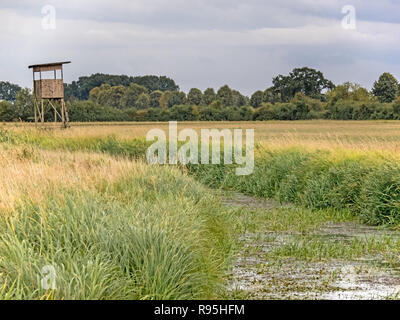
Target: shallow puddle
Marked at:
254, 276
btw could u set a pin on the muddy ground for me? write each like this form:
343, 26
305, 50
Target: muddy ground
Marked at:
256, 275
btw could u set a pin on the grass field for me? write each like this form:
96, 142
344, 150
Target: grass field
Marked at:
82, 200
112, 229
361, 135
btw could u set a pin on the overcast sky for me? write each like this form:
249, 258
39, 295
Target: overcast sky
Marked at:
202, 43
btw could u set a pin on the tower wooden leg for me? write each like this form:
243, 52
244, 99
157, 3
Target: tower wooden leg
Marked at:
35, 111
62, 114
55, 116
42, 112
65, 114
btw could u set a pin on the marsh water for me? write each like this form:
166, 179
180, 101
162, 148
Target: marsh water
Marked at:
256, 276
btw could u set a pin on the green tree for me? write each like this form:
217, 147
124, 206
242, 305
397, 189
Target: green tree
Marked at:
24, 105
172, 98
305, 80
6, 111
361, 94
115, 95
81, 89
195, 96
225, 95
153, 83
107, 95
143, 101
239, 100
256, 99
94, 94
209, 96
155, 98
386, 89
164, 100
271, 96
348, 92
100, 95
8, 91
131, 95
20, 110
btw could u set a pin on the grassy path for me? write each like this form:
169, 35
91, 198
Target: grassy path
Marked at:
292, 253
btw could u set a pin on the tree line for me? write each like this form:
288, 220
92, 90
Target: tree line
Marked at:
302, 94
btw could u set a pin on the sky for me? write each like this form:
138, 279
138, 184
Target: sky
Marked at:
202, 43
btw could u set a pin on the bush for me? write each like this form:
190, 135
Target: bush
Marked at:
184, 113
210, 114
89, 111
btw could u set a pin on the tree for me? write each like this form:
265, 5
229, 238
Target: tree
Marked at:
239, 100
164, 100
348, 92
8, 91
100, 94
386, 89
21, 109
80, 89
271, 96
24, 105
195, 96
306, 80
94, 94
209, 96
153, 83
225, 95
131, 95
143, 101
172, 98
6, 111
112, 97
361, 94
256, 99
155, 97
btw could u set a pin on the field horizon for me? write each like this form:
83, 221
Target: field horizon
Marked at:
383, 135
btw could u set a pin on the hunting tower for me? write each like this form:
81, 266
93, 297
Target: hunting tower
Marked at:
48, 89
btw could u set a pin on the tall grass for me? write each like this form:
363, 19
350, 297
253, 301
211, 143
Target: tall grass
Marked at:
115, 229
367, 184
364, 182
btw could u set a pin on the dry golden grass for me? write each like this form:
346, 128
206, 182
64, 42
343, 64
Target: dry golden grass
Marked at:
359, 135
27, 173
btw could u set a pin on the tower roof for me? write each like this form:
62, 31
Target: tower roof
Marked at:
53, 64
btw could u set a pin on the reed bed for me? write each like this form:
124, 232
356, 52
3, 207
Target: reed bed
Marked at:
111, 227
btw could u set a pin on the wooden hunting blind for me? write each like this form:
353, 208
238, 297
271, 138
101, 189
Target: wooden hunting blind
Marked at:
48, 89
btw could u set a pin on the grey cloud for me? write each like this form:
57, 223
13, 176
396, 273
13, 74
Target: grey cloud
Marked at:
202, 43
